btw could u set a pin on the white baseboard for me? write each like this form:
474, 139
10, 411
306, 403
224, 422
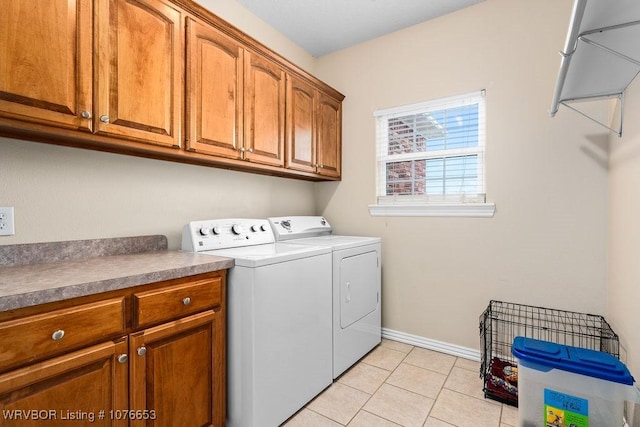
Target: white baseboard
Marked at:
442, 347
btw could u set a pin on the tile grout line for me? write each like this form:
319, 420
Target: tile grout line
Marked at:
383, 382
390, 372
440, 391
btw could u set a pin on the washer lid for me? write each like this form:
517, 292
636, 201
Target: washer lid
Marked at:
274, 253
338, 242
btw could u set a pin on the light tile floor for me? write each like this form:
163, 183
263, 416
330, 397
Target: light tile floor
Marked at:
398, 384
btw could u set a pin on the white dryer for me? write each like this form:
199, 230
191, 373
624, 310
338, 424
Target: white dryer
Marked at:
356, 272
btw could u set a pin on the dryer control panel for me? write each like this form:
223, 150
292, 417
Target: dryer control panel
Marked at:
198, 236
297, 227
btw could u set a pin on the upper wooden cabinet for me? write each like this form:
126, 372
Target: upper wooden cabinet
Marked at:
215, 66
235, 99
301, 135
139, 70
164, 79
314, 129
46, 63
47, 68
329, 134
264, 102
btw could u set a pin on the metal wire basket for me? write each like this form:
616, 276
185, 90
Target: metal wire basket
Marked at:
501, 322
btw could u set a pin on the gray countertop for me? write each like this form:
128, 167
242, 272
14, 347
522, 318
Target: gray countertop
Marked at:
39, 273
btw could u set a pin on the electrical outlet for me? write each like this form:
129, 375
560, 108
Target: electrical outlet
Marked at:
7, 227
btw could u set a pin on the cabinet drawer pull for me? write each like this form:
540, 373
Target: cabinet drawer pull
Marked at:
57, 335
141, 351
186, 301
104, 119
123, 358
86, 115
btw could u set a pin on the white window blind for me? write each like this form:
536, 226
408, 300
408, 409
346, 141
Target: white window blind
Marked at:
432, 152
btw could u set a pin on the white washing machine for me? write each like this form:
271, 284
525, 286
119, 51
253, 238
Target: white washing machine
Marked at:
356, 272
279, 323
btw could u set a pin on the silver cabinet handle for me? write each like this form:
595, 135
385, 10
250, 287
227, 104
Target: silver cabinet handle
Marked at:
57, 335
250, 150
186, 301
242, 149
104, 119
123, 358
86, 115
141, 351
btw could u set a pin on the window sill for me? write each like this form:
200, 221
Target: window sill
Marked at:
478, 210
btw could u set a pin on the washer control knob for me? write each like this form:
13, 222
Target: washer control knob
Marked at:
255, 227
216, 229
263, 227
236, 229
204, 231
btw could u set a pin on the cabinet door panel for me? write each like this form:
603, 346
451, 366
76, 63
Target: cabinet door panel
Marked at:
214, 92
264, 110
140, 71
45, 65
329, 137
181, 375
71, 388
300, 125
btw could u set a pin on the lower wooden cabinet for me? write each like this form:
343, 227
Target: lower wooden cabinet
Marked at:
89, 387
169, 372
176, 370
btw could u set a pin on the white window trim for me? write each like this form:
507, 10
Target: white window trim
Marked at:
476, 210
411, 207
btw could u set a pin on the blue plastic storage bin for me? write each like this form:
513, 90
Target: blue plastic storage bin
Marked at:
559, 385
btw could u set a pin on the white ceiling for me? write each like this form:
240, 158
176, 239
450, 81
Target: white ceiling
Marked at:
324, 26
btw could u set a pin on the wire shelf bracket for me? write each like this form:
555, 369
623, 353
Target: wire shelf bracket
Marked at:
601, 56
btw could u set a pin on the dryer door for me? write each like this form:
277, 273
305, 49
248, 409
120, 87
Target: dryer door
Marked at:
359, 276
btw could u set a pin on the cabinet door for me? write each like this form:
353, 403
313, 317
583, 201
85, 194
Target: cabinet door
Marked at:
45, 62
214, 91
178, 370
140, 68
301, 138
87, 387
329, 136
263, 110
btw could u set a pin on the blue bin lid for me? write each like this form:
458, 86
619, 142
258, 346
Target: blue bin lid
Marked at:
581, 361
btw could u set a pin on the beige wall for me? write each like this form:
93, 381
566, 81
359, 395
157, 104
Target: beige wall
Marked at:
624, 231
546, 244
64, 193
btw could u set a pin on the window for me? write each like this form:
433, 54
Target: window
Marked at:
431, 158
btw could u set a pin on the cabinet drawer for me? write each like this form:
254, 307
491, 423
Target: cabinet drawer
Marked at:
176, 301
39, 336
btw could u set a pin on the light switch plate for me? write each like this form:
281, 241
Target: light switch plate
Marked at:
7, 227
